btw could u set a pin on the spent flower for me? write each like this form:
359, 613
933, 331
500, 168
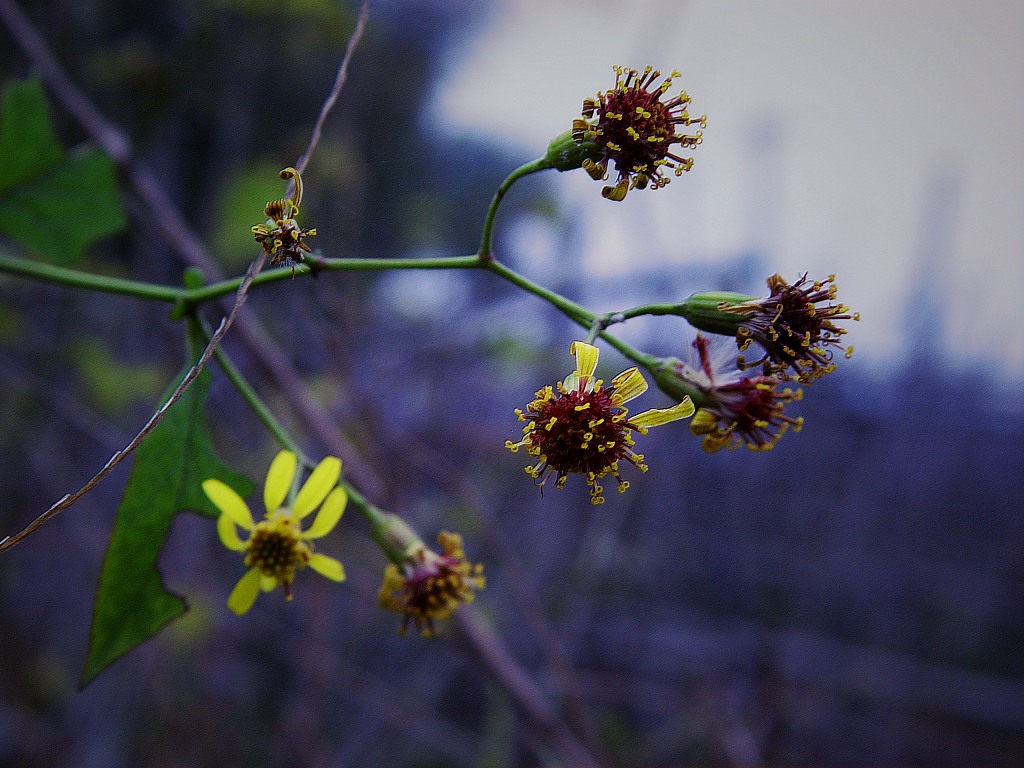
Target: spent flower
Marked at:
634, 130
579, 426
426, 586
734, 409
277, 545
281, 236
796, 325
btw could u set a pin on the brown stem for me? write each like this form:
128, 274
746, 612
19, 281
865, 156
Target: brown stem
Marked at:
193, 373
339, 83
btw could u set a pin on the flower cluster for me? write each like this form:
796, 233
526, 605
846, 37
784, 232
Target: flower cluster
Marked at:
280, 235
579, 426
277, 546
428, 586
634, 130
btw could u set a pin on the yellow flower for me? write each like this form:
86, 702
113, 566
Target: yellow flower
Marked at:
585, 428
277, 545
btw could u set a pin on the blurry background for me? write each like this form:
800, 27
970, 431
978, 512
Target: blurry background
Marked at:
851, 598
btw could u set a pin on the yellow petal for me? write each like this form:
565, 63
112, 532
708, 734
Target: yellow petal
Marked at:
244, 594
229, 533
324, 477
586, 358
329, 514
229, 502
327, 566
659, 416
629, 384
267, 583
279, 480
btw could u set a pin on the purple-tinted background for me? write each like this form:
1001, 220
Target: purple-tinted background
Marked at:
851, 598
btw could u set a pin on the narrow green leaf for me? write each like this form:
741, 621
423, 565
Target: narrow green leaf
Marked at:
132, 603
27, 143
52, 204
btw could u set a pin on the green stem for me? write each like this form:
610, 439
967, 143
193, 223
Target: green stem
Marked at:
575, 312
196, 296
643, 309
539, 164
258, 406
73, 278
375, 516
648, 362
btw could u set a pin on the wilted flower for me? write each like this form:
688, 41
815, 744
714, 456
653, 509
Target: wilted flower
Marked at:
635, 130
428, 586
735, 409
584, 427
795, 325
277, 546
281, 236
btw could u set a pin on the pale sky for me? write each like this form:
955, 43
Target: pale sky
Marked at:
868, 102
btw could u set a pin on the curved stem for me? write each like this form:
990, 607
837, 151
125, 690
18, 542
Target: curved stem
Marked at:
575, 312
539, 164
258, 406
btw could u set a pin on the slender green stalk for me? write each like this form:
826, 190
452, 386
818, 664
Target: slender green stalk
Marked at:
575, 312
570, 309
540, 164
649, 362
258, 406
643, 309
197, 296
375, 516
74, 278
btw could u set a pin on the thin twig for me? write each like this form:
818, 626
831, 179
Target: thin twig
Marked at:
339, 83
68, 499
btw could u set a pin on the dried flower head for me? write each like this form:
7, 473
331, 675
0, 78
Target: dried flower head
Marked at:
281, 236
635, 130
796, 327
580, 426
277, 546
428, 586
736, 409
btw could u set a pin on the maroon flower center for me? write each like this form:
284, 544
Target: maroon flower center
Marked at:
582, 432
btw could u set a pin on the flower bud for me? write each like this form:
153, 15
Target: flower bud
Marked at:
569, 151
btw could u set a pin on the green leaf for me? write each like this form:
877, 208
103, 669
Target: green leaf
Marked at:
55, 205
132, 603
28, 146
